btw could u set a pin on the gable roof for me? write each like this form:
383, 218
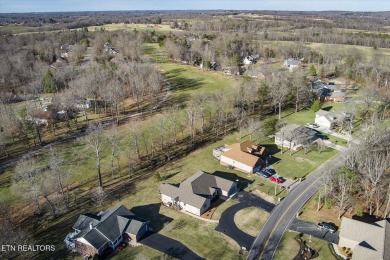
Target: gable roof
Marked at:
196, 189
373, 239
295, 132
292, 62
107, 226
254, 73
241, 152
334, 116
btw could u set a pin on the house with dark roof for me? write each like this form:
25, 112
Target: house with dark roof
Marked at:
294, 136
195, 194
333, 96
367, 241
246, 156
94, 233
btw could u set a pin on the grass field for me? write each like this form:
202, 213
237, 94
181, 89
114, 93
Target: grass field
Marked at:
368, 51
289, 248
187, 80
251, 220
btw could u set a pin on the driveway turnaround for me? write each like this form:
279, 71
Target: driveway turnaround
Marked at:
265, 244
168, 246
227, 225
309, 228
251, 200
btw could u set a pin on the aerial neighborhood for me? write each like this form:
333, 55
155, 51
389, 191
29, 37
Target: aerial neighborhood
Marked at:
202, 130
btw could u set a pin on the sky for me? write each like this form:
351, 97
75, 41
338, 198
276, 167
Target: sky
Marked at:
22, 6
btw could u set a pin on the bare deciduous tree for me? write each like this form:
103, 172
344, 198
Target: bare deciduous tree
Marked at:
95, 140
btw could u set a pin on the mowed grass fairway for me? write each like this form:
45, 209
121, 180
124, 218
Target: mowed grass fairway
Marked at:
187, 80
367, 51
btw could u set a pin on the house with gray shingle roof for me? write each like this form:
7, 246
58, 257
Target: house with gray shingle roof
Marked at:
94, 233
367, 241
291, 63
330, 119
294, 136
195, 194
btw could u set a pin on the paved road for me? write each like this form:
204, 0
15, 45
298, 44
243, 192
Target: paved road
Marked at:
264, 246
227, 225
310, 228
81, 133
168, 246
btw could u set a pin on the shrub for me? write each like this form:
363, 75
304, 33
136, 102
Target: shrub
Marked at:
312, 71
328, 203
157, 177
359, 211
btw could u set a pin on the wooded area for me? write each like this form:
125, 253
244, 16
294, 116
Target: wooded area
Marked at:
111, 93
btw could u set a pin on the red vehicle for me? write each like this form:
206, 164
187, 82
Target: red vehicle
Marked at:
276, 179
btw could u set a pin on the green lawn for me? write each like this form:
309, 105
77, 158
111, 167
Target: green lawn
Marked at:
251, 220
187, 80
297, 164
368, 51
289, 248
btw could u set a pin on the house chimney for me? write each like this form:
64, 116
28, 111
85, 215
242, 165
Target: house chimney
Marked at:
90, 226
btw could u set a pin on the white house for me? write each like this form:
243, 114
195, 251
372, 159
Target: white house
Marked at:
245, 156
367, 241
291, 63
329, 120
195, 194
294, 136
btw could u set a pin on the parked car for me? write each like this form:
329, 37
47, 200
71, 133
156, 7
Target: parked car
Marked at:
276, 179
263, 173
312, 125
328, 226
270, 171
323, 137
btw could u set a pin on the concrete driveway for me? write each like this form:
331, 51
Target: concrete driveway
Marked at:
168, 246
309, 228
227, 225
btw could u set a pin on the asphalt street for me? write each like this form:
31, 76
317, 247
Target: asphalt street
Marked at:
265, 244
312, 229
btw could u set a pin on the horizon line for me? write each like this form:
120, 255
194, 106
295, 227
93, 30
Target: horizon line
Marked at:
182, 10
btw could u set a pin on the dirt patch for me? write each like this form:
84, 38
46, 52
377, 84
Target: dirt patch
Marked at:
300, 159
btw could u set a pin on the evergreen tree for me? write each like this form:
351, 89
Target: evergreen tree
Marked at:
312, 71
48, 82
